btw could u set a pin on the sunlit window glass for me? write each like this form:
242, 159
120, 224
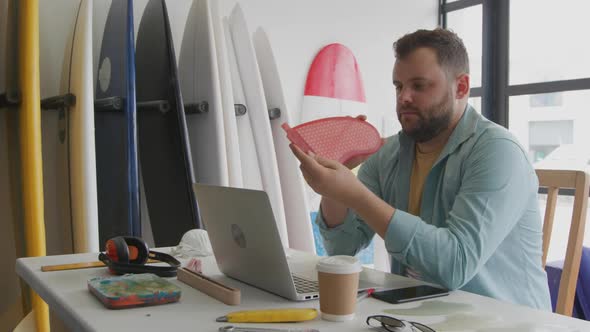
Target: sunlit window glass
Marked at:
553, 127
476, 103
549, 40
467, 23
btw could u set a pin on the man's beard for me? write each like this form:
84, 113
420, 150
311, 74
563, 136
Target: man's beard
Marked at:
432, 121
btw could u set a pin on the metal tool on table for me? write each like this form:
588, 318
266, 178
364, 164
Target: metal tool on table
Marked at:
231, 328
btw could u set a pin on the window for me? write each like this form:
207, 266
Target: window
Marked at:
467, 24
551, 44
465, 18
535, 71
546, 100
476, 103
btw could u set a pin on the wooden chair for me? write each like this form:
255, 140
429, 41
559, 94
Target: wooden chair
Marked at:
580, 182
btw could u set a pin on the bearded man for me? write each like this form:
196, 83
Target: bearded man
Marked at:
453, 195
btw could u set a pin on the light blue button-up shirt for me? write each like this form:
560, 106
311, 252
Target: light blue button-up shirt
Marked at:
479, 228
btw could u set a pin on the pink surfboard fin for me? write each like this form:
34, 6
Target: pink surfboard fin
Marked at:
338, 138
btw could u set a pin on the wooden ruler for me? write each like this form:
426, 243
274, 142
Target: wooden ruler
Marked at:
213, 288
75, 266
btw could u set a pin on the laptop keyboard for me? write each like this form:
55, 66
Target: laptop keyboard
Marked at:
303, 285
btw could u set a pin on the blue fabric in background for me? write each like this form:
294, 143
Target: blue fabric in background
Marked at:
582, 299
365, 256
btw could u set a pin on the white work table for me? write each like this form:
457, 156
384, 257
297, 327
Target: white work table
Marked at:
67, 295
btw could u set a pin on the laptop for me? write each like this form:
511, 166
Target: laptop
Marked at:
247, 245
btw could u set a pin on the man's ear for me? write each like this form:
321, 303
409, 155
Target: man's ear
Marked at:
462, 84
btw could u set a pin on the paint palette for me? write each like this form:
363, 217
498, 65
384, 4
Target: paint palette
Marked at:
133, 290
338, 138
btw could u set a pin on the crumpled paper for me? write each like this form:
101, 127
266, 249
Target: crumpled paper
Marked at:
194, 243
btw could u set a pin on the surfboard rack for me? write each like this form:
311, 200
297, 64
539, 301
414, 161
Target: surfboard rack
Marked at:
7, 100
109, 104
274, 113
58, 102
155, 105
240, 109
196, 108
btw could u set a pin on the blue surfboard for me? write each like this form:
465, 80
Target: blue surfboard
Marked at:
115, 127
166, 163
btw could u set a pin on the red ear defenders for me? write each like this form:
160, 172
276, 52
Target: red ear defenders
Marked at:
127, 254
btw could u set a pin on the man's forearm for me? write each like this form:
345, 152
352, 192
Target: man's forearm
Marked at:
372, 209
333, 212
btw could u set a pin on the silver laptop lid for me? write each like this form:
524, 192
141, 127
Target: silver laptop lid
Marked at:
245, 238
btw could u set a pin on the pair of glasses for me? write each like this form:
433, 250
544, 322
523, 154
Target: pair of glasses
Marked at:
395, 325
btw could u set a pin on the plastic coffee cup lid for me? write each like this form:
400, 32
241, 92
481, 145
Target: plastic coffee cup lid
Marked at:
340, 264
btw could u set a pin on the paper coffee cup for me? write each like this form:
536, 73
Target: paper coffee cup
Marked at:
338, 278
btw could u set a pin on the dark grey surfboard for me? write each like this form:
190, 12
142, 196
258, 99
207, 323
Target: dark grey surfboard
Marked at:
115, 127
166, 163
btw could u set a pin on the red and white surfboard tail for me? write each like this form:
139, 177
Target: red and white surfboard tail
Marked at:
335, 73
334, 85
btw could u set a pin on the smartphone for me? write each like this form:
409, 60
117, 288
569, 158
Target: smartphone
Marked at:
403, 295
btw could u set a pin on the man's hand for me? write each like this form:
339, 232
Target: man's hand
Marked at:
329, 178
355, 161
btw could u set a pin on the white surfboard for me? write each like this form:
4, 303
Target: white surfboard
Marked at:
258, 112
292, 184
232, 143
251, 177
3, 45
71, 209
11, 225
9, 54
54, 69
199, 82
82, 161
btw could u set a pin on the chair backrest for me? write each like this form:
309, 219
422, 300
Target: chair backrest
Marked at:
553, 180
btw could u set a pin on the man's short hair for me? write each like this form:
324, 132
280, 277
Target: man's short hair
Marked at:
449, 48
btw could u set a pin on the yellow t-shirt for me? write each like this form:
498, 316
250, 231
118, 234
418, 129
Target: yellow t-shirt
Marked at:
422, 164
